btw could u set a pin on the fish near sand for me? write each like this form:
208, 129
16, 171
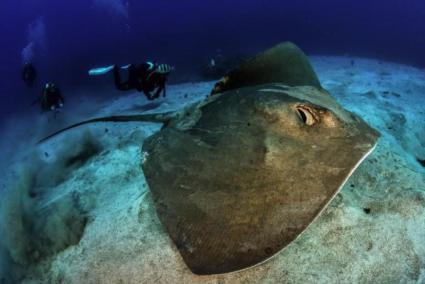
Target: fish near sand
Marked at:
236, 178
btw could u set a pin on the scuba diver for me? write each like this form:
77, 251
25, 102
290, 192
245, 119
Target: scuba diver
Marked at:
29, 74
51, 98
148, 77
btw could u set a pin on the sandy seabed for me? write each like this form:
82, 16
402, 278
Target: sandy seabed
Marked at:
372, 232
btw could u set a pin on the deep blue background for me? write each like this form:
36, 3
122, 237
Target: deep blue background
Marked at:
186, 32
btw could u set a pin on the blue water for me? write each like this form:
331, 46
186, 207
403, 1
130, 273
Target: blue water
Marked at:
65, 38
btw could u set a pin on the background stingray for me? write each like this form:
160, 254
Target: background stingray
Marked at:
239, 176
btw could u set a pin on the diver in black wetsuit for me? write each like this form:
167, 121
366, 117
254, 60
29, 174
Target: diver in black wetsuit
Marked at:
51, 98
29, 74
147, 77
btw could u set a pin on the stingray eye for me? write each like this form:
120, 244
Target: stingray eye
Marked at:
306, 115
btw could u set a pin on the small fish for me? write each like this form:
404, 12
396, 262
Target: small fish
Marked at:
164, 68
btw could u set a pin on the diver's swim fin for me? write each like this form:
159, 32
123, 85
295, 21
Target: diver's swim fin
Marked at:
100, 70
103, 70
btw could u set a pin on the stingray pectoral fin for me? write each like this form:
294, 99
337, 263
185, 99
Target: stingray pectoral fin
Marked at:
284, 63
154, 117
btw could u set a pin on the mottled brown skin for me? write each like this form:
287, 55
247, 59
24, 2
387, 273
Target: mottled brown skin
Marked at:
284, 63
238, 178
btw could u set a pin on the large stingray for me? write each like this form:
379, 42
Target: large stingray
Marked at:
239, 176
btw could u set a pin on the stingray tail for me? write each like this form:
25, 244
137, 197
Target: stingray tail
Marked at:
154, 117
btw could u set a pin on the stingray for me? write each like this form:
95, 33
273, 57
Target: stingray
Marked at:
239, 176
